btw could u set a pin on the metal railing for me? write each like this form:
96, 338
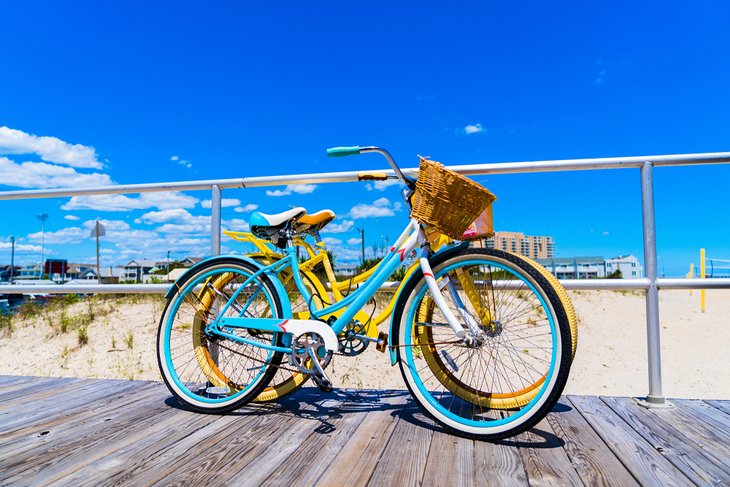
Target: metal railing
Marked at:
645, 164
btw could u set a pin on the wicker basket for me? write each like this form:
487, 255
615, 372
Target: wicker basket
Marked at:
451, 203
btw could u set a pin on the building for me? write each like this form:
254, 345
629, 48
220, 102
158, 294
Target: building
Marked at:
629, 266
593, 267
134, 270
534, 247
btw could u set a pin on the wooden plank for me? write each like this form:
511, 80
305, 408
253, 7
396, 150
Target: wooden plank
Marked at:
723, 406
594, 461
32, 387
705, 414
647, 465
450, 461
498, 464
65, 454
39, 433
287, 457
229, 446
666, 439
361, 454
11, 380
705, 432
544, 459
404, 459
48, 405
60, 401
322, 449
148, 460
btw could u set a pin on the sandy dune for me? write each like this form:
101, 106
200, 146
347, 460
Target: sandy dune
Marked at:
611, 357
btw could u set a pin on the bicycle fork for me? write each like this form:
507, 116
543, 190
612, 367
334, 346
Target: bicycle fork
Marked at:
441, 303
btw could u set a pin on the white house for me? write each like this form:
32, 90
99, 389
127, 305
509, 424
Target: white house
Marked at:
629, 266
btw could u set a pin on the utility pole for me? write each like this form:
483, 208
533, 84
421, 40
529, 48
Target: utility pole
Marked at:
12, 259
42, 218
98, 271
98, 231
362, 243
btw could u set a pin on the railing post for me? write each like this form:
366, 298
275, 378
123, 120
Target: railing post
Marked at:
215, 220
655, 397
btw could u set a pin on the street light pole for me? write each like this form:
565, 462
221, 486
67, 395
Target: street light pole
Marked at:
362, 243
42, 218
12, 259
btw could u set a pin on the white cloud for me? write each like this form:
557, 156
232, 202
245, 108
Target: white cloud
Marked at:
605, 233
382, 185
236, 224
182, 162
245, 209
380, 207
292, 188
331, 241
72, 217
354, 241
43, 175
225, 203
381, 202
120, 202
166, 216
50, 149
474, 129
70, 235
20, 248
343, 227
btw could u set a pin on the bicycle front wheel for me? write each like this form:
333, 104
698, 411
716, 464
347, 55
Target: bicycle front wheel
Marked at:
512, 374
206, 371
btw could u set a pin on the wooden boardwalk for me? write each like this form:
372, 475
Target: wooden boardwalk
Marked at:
107, 432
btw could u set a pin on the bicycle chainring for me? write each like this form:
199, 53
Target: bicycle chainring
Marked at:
300, 356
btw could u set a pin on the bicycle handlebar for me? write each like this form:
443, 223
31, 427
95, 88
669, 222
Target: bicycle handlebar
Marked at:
343, 151
350, 151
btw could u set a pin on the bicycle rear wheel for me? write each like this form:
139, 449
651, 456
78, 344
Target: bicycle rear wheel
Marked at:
514, 373
207, 372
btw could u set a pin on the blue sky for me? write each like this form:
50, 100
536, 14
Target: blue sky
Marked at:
137, 92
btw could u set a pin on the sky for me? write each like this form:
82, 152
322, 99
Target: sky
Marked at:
97, 93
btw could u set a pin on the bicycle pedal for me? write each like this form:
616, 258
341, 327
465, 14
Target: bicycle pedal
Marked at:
382, 343
323, 383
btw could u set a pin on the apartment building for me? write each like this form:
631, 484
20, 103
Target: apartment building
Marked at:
532, 246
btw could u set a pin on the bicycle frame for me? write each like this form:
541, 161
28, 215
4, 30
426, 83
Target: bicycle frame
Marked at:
317, 254
411, 237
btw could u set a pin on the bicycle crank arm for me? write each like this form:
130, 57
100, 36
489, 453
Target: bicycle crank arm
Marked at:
295, 327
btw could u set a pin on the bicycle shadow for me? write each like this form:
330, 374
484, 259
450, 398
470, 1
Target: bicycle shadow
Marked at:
327, 408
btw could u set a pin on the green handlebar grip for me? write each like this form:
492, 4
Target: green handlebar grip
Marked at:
343, 151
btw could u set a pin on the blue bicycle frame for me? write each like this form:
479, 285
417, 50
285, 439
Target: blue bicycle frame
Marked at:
404, 245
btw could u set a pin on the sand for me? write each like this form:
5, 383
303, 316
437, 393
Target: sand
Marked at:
611, 356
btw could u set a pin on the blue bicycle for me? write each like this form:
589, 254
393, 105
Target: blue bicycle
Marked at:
482, 337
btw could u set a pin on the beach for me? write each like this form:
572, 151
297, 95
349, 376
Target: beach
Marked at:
121, 332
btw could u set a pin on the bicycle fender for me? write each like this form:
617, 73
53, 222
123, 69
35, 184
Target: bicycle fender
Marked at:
283, 296
406, 288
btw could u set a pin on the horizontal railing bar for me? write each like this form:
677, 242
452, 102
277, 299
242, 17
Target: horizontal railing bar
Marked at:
682, 283
604, 284
351, 176
570, 284
86, 289
122, 189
